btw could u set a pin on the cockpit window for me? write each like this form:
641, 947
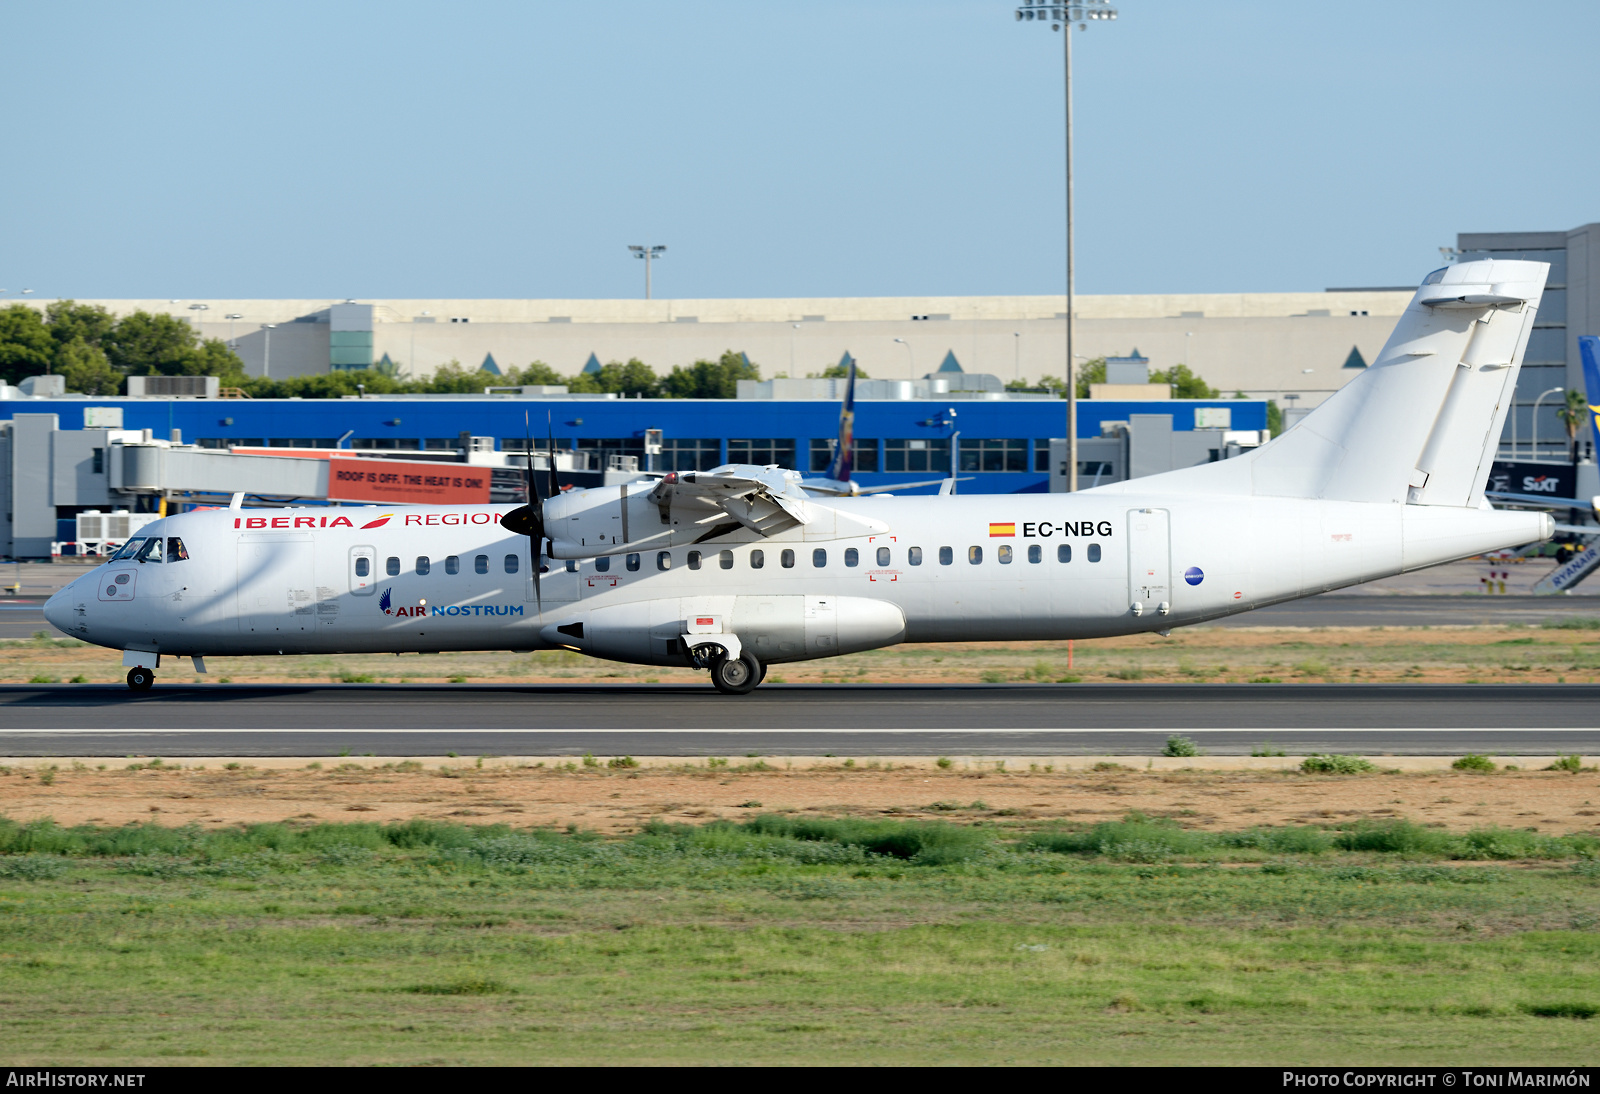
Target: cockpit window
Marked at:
176, 552
129, 549
1436, 276
151, 551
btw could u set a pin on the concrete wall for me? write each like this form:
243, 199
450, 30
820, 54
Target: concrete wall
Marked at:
33, 522
74, 480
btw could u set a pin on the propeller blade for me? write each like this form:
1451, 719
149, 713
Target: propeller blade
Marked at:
549, 432
528, 520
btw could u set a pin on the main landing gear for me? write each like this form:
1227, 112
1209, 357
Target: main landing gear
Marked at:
737, 675
141, 679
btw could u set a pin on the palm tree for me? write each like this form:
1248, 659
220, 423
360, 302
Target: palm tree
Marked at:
1573, 416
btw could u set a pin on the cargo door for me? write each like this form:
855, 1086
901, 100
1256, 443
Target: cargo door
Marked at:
276, 585
1149, 562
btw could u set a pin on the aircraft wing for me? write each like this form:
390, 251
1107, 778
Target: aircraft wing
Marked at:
835, 489
764, 501
1540, 499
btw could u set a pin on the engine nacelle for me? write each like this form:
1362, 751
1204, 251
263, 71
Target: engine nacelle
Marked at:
774, 628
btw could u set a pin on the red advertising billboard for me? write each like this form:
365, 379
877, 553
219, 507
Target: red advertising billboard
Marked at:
407, 483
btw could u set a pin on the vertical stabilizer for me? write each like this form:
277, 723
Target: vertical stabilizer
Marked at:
1422, 424
1589, 352
845, 447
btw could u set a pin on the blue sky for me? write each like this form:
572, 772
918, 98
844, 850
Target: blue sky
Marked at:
820, 149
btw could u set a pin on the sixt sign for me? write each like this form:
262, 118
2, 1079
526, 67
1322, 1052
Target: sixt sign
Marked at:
1551, 480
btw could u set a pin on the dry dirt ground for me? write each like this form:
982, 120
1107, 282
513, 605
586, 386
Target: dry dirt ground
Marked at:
560, 793
1491, 654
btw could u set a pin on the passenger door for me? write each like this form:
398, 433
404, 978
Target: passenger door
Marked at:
1149, 562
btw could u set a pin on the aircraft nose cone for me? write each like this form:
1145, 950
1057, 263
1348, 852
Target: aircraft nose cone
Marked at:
58, 609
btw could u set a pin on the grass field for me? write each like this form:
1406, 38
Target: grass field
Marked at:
789, 940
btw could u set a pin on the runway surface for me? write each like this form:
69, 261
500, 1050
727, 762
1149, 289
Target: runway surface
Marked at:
860, 719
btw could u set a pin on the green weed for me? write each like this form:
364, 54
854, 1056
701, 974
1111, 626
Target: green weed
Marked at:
1335, 764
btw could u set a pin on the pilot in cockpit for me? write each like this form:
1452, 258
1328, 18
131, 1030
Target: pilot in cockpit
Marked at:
149, 549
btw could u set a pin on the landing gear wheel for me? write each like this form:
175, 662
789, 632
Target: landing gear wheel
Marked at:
141, 679
736, 676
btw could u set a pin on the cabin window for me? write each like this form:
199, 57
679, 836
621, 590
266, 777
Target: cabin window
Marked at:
1094, 552
883, 556
663, 560
975, 555
633, 562
947, 555
819, 558
725, 559
129, 549
391, 566
572, 565
914, 555
852, 557
602, 564
1003, 553
694, 560
1035, 553
176, 552
363, 566
1064, 552
452, 564
423, 565
786, 560
151, 551
480, 565
758, 559
511, 564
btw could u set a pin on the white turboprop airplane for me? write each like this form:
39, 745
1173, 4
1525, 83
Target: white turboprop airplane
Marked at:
736, 569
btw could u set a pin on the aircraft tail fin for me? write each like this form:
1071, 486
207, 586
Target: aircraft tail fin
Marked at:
844, 447
1422, 424
1589, 352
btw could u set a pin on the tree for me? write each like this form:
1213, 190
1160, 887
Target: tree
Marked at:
537, 372
331, 385
70, 321
1185, 384
1090, 372
839, 372
454, 379
143, 344
26, 348
717, 379
1573, 415
1274, 419
84, 368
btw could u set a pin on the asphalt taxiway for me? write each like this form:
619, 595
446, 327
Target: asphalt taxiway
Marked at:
793, 719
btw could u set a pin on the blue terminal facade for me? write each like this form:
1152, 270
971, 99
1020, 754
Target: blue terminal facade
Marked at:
1002, 444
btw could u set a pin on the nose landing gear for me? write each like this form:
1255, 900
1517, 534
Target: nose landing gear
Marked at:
141, 679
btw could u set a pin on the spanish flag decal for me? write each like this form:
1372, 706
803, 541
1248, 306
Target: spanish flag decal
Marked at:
1007, 529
